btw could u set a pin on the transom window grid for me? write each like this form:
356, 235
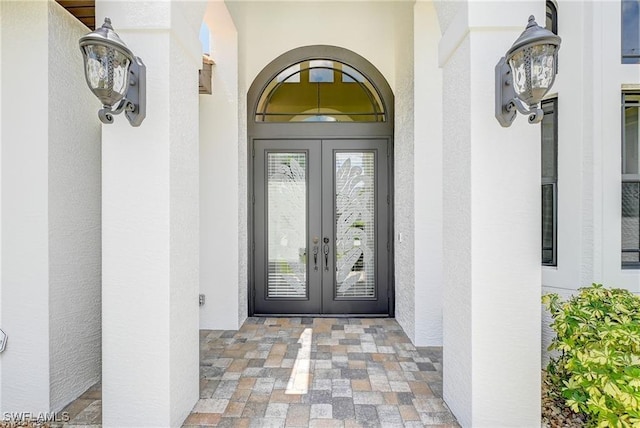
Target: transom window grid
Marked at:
630, 35
549, 168
630, 181
320, 90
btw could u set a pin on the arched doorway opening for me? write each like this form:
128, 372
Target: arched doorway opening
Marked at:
320, 135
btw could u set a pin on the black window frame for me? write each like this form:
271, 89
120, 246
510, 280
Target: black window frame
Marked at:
550, 107
627, 178
552, 16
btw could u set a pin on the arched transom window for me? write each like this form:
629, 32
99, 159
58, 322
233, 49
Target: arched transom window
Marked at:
320, 90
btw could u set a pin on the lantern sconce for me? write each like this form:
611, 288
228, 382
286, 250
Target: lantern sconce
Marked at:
114, 74
525, 74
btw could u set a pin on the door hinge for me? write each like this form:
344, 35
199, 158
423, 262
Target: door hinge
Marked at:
253, 199
253, 246
253, 151
388, 199
388, 246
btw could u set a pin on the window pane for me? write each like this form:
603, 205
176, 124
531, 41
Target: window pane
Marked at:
548, 220
630, 222
630, 31
631, 165
290, 75
350, 75
551, 22
549, 146
321, 71
549, 169
631, 131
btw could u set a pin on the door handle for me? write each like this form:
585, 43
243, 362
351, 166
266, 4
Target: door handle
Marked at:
326, 253
315, 257
315, 253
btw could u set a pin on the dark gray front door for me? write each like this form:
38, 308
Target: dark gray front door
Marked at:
321, 226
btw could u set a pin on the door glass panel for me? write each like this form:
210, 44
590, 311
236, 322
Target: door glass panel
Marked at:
355, 224
287, 229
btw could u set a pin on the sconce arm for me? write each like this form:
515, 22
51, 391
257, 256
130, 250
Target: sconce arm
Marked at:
535, 113
106, 113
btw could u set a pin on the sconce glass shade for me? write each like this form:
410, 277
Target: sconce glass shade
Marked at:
525, 74
532, 60
107, 73
107, 61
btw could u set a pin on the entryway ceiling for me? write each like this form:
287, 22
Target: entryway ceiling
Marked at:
83, 10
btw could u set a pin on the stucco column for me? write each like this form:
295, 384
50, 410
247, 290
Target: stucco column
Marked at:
150, 224
427, 170
491, 225
49, 211
24, 169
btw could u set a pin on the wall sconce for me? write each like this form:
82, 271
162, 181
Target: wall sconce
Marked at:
114, 74
526, 73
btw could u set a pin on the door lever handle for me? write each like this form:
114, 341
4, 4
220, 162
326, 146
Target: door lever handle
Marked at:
326, 253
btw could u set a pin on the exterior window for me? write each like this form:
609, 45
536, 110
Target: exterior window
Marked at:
549, 182
630, 181
630, 31
320, 90
551, 23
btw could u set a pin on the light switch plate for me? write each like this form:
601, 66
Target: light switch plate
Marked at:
3, 340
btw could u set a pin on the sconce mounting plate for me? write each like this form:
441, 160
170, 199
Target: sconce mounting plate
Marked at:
504, 94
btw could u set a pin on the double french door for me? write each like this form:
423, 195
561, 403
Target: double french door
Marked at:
321, 227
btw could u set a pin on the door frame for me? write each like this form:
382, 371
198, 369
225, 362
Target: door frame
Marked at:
315, 130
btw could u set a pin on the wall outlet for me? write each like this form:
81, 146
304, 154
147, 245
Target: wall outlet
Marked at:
201, 300
3, 340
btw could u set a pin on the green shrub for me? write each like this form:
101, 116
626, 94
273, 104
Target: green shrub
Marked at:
597, 371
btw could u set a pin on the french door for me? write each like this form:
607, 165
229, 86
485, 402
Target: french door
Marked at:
321, 227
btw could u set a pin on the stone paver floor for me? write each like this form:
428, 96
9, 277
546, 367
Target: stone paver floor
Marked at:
309, 372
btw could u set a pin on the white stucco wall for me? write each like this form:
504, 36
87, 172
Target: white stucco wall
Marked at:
383, 35
74, 216
588, 86
404, 196
25, 276
151, 225
219, 244
427, 155
183, 331
491, 228
50, 219
1, 139
456, 230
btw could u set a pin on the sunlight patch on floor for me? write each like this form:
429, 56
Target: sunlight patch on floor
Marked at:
299, 380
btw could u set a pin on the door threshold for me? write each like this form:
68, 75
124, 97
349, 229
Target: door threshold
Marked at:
323, 315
